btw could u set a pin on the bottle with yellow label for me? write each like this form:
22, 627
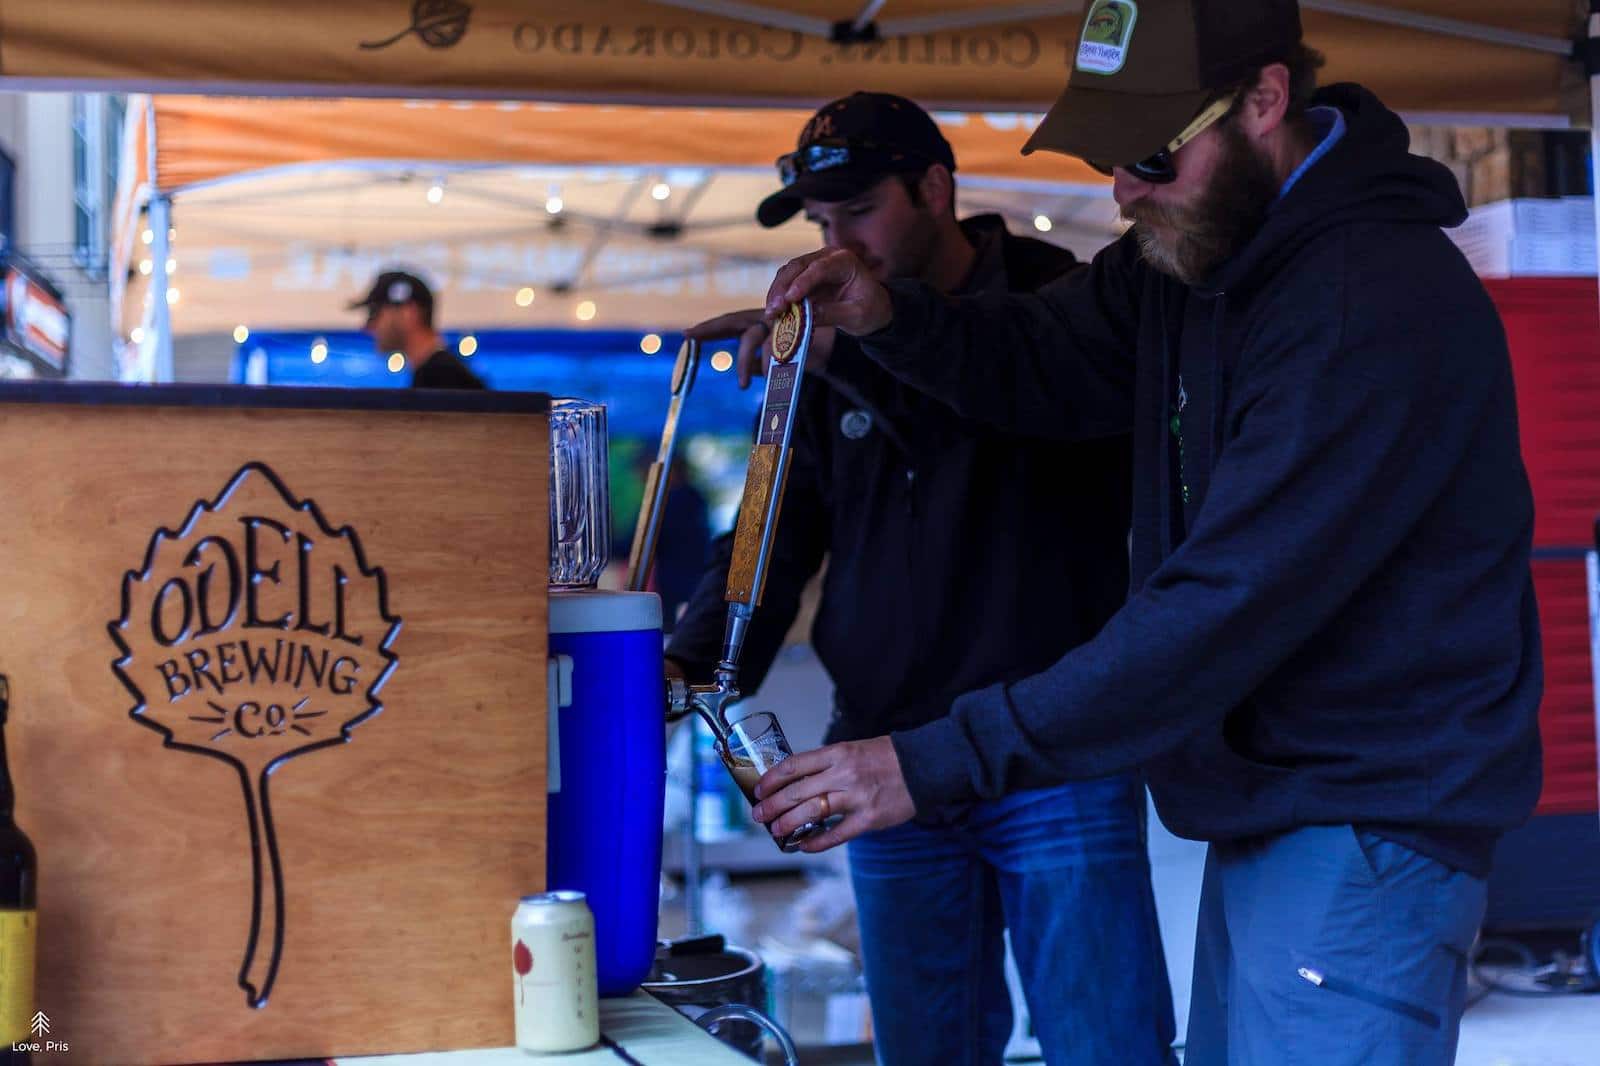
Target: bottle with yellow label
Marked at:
18, 901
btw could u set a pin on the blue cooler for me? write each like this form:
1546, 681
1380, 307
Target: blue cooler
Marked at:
608, 771
607, 713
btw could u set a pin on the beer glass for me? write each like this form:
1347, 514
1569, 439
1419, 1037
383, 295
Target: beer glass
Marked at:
580, 502
756, 744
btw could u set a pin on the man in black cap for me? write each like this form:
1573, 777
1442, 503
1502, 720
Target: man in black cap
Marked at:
1330, 660
399, 309
958, 556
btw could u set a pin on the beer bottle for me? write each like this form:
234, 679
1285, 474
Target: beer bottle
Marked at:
18, 900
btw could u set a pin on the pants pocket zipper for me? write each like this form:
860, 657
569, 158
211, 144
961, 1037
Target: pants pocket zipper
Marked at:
1377, 999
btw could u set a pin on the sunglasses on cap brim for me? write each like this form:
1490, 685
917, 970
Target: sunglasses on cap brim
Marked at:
835, 153
1161, 168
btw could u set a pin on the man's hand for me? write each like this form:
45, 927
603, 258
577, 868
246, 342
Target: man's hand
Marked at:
843, 292
755, 353
861, 780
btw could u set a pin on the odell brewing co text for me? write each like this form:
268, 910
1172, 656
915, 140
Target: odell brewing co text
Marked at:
255, 633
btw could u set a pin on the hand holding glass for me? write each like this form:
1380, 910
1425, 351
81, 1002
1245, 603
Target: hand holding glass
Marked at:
756, 744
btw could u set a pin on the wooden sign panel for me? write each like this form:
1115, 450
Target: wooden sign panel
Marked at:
277, 663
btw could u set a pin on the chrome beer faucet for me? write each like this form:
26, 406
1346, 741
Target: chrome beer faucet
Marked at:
758, 517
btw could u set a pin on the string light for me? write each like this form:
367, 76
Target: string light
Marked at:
722, 362
650, 343
1042, 223
435, 193
586, 311
172, 296
241, 334
319, 350
468, 345
148, 236
147, 267
660, 191
524, 296
397, 362
136, 334
554, 205
172, 267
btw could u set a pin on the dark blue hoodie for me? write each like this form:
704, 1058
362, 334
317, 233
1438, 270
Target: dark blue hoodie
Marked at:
1342, 627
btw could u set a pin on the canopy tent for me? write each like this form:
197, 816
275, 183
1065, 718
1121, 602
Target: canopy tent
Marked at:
1492, 61
1474, 56
284, 208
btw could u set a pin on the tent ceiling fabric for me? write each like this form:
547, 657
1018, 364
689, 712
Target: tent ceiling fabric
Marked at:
288, 249
201, 139
642, 51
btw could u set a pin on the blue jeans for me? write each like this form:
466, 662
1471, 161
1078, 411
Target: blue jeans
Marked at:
1066, 870
1333, 946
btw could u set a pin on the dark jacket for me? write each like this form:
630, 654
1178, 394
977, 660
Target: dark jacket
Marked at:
1343, 628
445, 370
959, 555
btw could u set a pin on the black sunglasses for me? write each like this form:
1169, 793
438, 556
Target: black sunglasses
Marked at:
1161, 168
835, 152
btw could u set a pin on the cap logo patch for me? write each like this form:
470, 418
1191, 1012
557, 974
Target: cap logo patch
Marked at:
1107, 32
819, 127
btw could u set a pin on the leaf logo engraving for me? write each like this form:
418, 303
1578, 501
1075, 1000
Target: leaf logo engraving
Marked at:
439, 23
254, 634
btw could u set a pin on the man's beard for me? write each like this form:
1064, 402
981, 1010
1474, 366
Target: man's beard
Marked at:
1189, 242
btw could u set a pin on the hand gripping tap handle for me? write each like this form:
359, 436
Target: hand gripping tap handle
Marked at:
647, 531
758, 511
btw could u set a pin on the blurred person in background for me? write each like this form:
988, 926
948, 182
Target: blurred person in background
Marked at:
682, 544
399, 309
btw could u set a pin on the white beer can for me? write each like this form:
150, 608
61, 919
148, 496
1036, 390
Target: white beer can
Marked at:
553, 973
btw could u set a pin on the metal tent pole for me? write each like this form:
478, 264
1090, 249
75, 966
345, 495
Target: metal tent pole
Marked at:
1590, 54
160, 252
1472, 31
161, 307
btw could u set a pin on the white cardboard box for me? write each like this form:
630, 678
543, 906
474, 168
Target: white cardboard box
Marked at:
1530, 238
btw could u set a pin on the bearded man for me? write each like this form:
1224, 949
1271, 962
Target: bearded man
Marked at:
1329, 662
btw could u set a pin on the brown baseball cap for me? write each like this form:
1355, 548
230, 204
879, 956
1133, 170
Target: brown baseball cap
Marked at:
1144, 68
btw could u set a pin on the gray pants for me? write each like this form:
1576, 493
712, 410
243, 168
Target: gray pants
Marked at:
1330, 945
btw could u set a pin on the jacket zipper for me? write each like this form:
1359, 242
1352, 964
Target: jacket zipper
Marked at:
1334, 984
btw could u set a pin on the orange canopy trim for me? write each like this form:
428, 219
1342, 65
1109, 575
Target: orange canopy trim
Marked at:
201, 139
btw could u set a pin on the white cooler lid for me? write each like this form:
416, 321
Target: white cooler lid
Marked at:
603, 611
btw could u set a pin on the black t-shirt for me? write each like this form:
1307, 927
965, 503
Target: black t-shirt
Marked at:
445, 370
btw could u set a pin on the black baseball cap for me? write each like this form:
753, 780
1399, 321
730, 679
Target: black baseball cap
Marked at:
395, 287
849, 146
1145, 68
